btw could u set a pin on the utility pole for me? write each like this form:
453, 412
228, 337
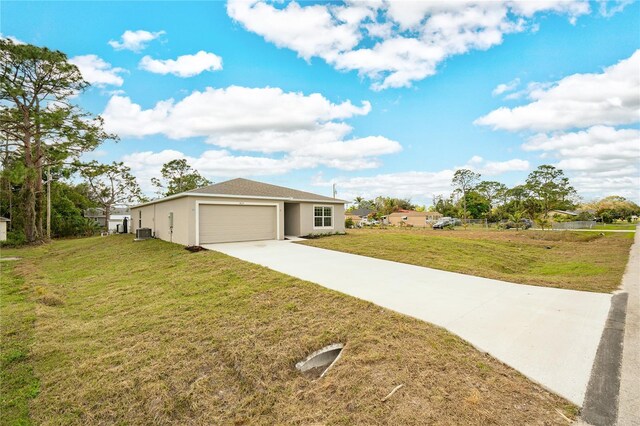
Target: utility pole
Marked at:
49, 203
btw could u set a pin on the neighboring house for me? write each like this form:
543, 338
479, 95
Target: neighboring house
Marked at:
358, 214
4, 222
554, 213
413, 218
116, 217
239, 210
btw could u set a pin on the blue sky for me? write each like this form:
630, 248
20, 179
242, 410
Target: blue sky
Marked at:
385, 121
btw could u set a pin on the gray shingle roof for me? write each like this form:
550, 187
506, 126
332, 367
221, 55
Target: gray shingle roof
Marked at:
251, 188
361, 212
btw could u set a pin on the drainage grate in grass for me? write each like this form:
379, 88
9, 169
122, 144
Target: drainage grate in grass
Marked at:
319, 362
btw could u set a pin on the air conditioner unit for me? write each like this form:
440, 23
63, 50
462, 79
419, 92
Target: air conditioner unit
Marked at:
143, 233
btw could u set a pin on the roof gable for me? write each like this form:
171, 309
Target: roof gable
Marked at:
251, 188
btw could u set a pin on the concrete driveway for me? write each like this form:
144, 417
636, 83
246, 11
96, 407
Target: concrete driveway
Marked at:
550, 335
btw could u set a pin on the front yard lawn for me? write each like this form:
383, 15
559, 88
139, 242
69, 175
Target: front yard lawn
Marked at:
110, 331
571, 260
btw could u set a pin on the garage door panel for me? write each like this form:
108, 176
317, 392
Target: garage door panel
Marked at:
228, 223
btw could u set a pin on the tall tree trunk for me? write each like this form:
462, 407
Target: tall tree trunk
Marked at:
39, 208
39, 193
29, 188
29, 208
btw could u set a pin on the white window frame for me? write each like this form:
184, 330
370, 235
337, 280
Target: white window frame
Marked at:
232, 203
333, 219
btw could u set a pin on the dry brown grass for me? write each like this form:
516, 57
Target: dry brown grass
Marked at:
149, 333
571, 260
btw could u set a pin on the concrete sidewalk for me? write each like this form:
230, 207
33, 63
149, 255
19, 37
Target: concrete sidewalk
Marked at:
629, 397
550, 335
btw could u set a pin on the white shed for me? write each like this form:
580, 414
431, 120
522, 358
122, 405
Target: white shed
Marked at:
3, 228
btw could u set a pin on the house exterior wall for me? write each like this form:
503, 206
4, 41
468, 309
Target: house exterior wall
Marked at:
292, 219
411, 220
156, 217
3, 231
306, 219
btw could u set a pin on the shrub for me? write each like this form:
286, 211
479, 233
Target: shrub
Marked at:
348, 223
14, 239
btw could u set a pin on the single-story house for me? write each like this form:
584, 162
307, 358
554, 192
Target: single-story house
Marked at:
358, 214
413, 218
239, 210
3, 228
116, 217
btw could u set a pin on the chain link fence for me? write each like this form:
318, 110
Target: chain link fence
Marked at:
475, 223
578, 224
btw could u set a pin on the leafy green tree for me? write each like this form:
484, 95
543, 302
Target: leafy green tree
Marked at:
492, 191
178, 177
68, 203
549, 186
38, 123
477, 205
613, 208
110, 185
387, 205
445, 206
463, 181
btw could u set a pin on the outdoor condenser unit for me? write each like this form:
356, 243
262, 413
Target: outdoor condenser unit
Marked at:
143, 233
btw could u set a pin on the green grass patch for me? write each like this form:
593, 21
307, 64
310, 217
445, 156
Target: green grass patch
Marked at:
550, 259
18, 385
148, 333
573, 269
616, 226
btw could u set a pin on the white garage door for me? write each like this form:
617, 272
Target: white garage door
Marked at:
228, 223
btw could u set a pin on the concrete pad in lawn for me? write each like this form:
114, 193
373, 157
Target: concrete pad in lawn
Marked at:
550, 335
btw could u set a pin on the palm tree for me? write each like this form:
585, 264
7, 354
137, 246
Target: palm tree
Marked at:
516, 218
543, 221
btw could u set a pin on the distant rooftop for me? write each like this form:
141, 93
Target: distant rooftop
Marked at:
99, 211
361, 212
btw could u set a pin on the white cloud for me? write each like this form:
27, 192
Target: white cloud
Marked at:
506, 87
97, 71
215, 164
305, 131
392, 42
420, 186
609, 8
214, 112
211, 164
135, 41
15, 40
579, 123
599, 160
493, 168
183, 66
611, 97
